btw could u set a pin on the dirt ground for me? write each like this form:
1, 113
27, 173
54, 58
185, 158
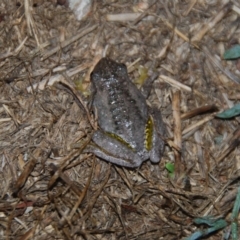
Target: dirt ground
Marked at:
51, 189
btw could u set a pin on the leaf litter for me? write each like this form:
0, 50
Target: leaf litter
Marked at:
51, 189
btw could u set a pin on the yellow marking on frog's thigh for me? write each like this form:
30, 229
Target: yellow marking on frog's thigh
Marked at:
120, 140
149, 134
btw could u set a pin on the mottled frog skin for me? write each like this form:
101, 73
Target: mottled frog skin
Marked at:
129, 132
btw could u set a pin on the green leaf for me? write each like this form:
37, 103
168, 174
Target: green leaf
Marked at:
229, 113
170, 167
232, 53
209, 220
234, 216
215, 224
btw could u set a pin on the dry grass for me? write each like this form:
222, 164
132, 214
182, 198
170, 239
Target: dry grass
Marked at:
50, 189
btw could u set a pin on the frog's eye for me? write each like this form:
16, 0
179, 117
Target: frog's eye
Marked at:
95, 76
91, 75
122, 69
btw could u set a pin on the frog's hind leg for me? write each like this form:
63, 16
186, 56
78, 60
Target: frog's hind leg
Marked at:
105, 156
157, 137
112, 150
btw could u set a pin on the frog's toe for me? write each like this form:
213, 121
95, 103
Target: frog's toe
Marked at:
155, 156
157, 150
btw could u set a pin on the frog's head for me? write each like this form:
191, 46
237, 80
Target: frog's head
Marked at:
107, 70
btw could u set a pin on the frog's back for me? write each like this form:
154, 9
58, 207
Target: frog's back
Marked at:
121, 108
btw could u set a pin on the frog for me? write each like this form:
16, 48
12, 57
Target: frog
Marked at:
130, 132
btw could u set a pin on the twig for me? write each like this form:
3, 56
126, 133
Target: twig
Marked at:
47, 54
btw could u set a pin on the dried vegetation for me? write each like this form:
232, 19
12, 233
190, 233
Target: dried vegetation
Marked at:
50, 189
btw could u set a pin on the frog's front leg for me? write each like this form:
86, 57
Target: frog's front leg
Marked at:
114, 151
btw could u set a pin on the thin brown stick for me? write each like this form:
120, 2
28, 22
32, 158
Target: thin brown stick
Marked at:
177, 132
47, 54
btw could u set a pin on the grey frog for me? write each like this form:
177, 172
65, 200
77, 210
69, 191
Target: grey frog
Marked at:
130, 131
